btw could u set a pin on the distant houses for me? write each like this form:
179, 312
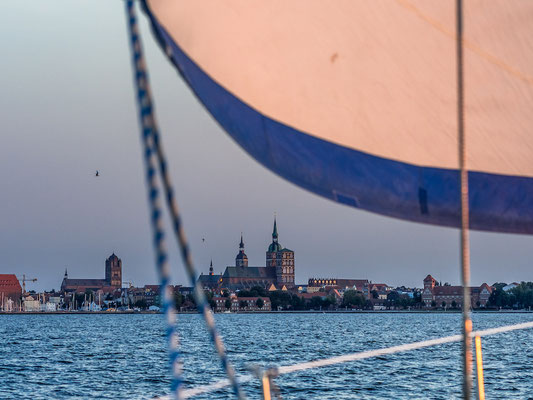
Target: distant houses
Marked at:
244, 288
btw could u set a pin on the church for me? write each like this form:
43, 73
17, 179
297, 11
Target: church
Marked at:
277, 274
112, 280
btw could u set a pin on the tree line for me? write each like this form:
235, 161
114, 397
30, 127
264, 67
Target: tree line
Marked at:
519, 297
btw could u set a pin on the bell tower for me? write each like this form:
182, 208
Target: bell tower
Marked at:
113, 271
282, 259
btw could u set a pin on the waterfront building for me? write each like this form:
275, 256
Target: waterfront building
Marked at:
279, 269
242, 304
381, 290
112, 280
149, 294
315, 284
447, 294
31, 304
10, 292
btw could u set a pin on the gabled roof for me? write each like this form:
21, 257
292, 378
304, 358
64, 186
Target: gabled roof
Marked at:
448, 290
9, 284
311, 295
85, 282
209, 279
265, 299
250, 272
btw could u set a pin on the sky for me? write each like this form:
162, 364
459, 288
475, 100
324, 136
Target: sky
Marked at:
67, 108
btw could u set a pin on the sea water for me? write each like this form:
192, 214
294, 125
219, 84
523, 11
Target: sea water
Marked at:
125, 357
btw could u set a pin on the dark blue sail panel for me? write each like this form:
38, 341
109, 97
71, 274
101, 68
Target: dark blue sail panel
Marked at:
499, 203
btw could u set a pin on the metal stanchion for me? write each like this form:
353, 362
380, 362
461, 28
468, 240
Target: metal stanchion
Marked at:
479, 368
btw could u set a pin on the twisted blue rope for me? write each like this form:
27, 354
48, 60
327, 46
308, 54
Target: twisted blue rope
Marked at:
148, 125
153, 144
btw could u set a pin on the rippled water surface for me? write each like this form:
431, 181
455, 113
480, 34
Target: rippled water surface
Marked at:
124, 356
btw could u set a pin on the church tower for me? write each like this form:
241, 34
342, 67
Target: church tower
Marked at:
242, 259
273, 248
211, 273
113, 271
282, 259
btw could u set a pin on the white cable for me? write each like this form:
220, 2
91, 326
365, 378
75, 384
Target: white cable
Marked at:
223, 383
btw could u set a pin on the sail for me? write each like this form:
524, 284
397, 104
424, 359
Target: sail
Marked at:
356, 100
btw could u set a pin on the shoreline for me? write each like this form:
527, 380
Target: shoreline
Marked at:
269, 312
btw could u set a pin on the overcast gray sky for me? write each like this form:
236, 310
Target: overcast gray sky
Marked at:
67, 109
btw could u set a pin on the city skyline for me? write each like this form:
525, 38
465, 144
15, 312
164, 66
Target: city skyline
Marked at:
57, 214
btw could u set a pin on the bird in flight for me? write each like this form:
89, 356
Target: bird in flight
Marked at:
97, 173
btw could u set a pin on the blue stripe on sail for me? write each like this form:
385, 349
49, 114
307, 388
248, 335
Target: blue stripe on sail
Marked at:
498, 203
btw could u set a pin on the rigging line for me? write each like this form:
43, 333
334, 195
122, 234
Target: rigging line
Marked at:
147, 122
287, 369
464, 236
201, 301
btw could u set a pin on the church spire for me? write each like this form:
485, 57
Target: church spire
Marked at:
66, 274
275, 231
211, 268
242, 259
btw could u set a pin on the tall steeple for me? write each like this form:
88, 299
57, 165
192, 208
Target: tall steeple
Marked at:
274, 246
211, 268
242, 259
66, 274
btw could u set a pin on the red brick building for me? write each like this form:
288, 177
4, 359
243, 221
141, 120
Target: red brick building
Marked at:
447, 294
279, 269
10, 290
113, 278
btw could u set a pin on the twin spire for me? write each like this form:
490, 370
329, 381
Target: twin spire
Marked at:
242, 259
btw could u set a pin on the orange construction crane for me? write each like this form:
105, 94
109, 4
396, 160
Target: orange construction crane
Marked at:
24, 280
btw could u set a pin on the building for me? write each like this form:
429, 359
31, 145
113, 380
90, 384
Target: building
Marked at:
31, 304
242, 304
112, 280
212, 281
510, 286
281, 259
10, 292
315, 284
446, 295
381, 290
279, 269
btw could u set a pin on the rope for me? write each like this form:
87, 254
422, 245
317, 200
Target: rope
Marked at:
223, 383
201, 301
465, 243
148, 127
